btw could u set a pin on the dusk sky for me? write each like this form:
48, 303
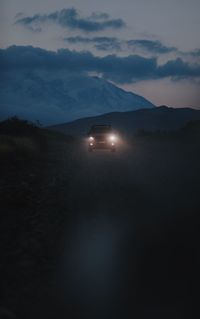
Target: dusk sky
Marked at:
150, 47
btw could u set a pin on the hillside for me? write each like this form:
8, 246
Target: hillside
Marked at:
160, 118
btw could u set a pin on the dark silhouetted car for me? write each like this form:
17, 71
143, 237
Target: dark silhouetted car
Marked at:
102, 137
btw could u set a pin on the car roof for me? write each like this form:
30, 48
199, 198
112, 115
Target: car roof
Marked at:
100, 128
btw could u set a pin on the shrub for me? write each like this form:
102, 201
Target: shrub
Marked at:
18, 127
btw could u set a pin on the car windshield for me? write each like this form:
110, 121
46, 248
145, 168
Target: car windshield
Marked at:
100, 130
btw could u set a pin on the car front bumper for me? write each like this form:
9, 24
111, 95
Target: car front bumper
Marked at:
102, 144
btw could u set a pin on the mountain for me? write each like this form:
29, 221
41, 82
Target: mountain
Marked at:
159, 118
56, 97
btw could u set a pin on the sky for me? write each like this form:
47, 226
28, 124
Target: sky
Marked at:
150, 47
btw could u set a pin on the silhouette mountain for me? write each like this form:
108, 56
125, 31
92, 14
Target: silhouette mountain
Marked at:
159, 118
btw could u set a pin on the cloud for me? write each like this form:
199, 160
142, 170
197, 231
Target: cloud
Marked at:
121, 70
113, 43
178, 69
99, 15
100, 43
70, 18
151, 46
195, 53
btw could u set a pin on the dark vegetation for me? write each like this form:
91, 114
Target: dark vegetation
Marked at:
99, 235
190, 130
29, 171
23, 140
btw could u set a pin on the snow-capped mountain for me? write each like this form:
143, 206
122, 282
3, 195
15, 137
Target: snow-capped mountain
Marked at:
61, 97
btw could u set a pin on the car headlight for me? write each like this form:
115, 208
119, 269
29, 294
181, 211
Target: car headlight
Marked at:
112, 138
91, 138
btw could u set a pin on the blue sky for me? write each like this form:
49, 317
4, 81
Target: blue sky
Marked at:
153, 45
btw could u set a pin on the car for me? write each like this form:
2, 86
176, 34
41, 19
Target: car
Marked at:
102, 137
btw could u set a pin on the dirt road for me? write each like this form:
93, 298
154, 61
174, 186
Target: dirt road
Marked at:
102, 235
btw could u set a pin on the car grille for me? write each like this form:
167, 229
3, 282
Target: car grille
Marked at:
100, 139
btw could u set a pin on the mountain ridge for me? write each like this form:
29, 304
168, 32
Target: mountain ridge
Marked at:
159, 118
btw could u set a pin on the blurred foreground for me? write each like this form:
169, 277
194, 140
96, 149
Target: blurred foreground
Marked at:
101, 235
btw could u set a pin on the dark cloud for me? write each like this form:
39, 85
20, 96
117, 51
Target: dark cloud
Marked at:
80, 39
113, 43
195, 53
118, 69
151, 46
178, 69
33, 23
100, 43
100, 15
69, 18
